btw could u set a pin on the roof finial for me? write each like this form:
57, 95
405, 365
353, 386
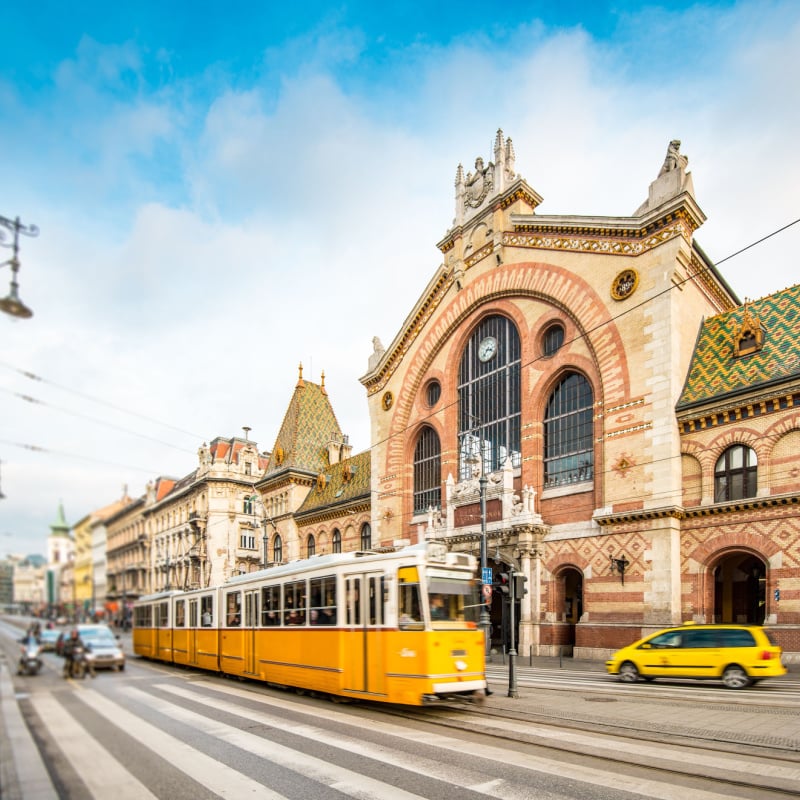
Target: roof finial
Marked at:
322, 384
300, 381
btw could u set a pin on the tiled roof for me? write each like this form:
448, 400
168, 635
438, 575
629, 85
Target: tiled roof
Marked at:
716, 371
308, 426
343, 482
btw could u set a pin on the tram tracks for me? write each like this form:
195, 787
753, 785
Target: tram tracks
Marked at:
747, 770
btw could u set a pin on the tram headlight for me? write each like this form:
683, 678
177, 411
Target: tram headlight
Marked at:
461, 665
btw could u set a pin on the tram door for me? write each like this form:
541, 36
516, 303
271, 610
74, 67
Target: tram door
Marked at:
249, 632
191, 654
363, 652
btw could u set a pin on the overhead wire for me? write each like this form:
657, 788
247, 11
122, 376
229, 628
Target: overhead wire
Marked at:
99, 401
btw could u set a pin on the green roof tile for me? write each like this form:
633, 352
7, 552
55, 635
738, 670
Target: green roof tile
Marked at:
716, 372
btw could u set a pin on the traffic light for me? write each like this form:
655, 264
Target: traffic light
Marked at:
504, 583
520, 588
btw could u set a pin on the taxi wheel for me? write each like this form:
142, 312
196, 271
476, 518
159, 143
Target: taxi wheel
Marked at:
735, 677
628, 672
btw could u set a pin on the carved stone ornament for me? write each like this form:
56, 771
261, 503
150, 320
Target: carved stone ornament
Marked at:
279, 455
624, 285
387, 401
479, 183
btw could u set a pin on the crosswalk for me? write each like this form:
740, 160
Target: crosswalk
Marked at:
157, 735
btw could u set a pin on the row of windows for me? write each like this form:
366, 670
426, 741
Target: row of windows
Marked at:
490, 396
248, 542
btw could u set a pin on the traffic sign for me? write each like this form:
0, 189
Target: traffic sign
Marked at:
487, 592
487, 575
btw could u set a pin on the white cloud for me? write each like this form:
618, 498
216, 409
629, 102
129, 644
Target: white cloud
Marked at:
208, 244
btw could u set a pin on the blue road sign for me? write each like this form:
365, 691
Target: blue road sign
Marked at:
487, 575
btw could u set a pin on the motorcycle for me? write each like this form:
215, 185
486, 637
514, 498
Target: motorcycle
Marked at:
30, 661
79, 665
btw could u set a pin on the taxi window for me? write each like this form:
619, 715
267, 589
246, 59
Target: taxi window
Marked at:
668, 639
701, 638
735, 638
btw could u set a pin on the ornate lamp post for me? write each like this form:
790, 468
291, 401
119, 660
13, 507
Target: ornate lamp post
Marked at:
12, 304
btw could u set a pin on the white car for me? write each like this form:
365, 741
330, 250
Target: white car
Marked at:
105, 650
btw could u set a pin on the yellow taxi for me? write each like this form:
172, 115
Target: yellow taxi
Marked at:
738, 655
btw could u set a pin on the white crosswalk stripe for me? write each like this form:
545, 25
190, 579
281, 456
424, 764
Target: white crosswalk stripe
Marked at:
211, 773
503, 757
422, 754
85, 753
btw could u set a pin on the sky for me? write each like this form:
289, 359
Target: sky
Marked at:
225, 192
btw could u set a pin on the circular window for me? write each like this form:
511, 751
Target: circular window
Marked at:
553, 339
433, 392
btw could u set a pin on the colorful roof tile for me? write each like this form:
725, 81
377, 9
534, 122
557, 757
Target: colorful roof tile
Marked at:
717, 372
343, 482
307, 427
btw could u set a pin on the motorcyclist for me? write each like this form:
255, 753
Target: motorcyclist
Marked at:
72, 643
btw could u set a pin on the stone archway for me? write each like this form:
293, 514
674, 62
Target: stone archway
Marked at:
568, 606
739, 583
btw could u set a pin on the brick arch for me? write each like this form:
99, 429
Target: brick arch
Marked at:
492, 293
711, 553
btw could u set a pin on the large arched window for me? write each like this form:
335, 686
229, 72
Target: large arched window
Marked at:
337, 541
568, 432
366, 536
277, 549
736, 473
311, 545
427, 471
489, 398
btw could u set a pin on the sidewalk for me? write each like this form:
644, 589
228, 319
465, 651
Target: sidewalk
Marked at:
729, 717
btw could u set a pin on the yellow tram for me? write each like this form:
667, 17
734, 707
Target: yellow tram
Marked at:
395, 627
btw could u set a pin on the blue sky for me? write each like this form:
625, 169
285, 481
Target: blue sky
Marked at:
226, 190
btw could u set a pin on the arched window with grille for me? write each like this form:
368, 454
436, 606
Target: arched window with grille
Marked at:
277, 549
569, 432
489, 398
337, 541
366, 536
736, 474
427, 471
311, 545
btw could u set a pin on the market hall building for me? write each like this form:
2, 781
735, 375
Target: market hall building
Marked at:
636, 427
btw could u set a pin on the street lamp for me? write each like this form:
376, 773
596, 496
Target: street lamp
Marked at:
485, 620
12, 304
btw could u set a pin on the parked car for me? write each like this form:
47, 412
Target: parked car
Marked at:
738, 655
48, 638
105, 650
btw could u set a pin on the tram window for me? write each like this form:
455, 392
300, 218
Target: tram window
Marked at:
376, 600
143, 617
270, 606
294, 603
193, 613
206, 611
450, 598
163, 615
180, 614
353, 594
233, 609
409, 606
323, 600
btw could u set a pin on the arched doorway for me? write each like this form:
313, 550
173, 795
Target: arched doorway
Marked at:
568, 607
740, 589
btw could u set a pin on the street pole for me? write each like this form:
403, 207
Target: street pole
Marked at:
485, 620
512, 651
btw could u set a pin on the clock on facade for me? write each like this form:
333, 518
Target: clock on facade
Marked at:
487, 348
